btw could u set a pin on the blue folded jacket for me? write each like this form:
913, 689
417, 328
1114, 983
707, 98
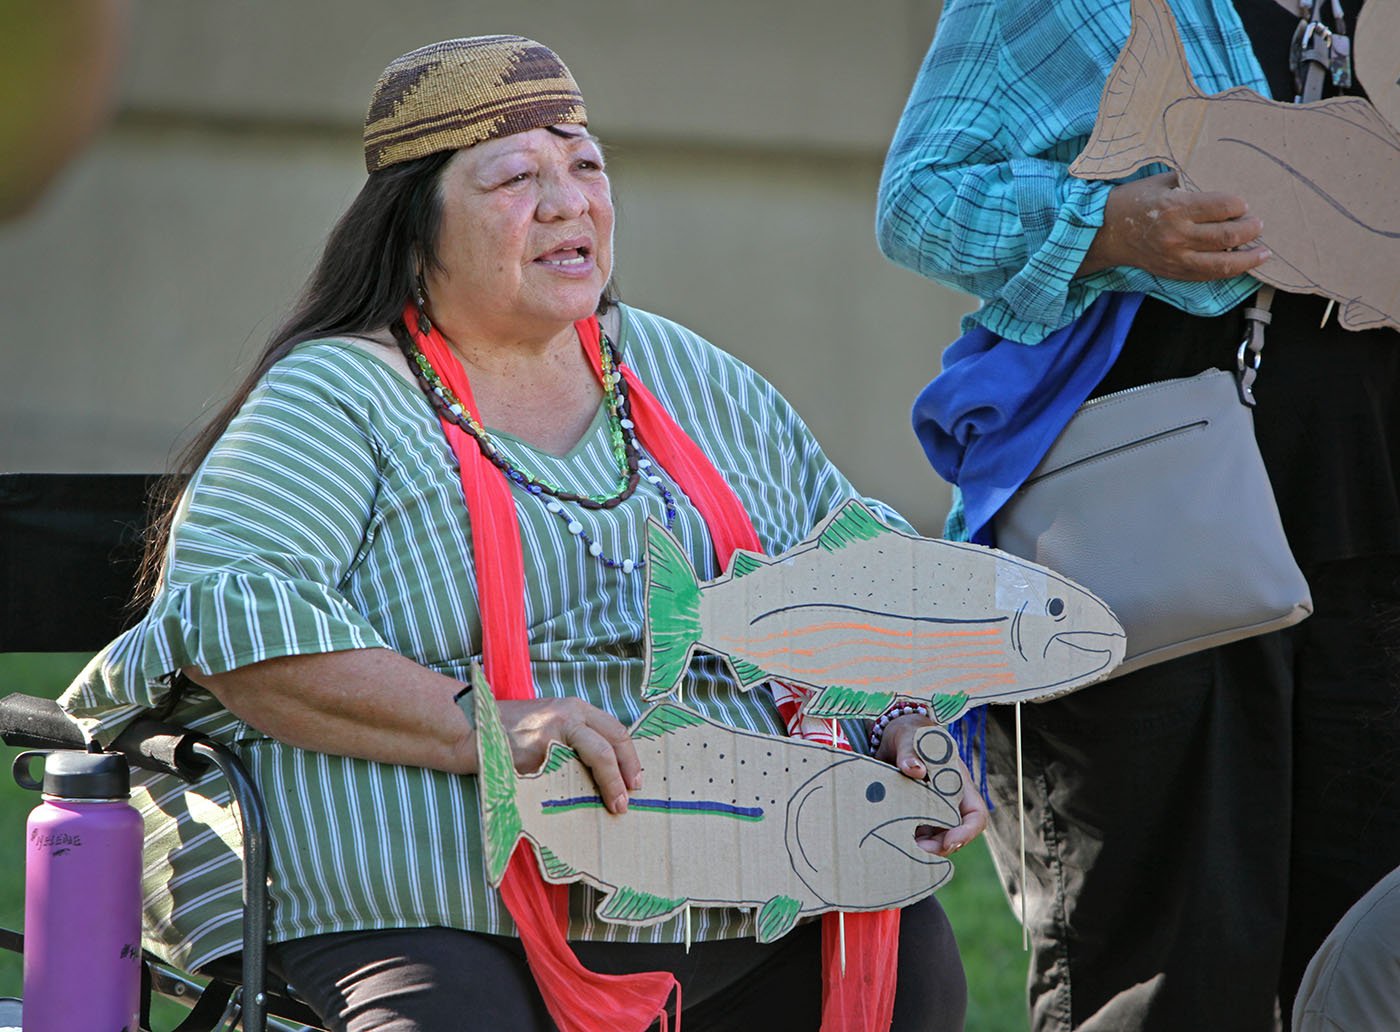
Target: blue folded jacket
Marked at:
988, 419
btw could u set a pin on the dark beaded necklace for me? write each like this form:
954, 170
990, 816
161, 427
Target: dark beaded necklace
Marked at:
626, 450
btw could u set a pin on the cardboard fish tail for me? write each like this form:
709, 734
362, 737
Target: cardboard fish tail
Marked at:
675, 622
673, 614
1152, 62
500, 820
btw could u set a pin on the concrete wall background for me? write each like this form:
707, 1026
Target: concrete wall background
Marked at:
745, 144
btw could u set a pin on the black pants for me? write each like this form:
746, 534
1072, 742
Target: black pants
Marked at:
1195, 829
443, 980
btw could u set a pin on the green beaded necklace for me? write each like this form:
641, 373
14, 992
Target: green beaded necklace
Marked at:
623, 454
632, 468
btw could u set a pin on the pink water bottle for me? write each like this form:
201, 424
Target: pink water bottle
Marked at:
82, 896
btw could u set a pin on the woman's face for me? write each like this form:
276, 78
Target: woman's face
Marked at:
526, 236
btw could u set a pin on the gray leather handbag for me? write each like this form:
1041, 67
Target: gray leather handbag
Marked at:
1156, 499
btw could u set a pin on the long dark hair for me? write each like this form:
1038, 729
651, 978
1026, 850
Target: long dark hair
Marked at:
369, 268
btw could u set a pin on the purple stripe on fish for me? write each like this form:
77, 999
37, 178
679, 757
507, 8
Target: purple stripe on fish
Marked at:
696, 805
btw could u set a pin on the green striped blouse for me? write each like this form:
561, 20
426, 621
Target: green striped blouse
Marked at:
330, 516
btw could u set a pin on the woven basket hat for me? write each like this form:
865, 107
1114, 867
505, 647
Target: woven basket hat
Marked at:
460, 92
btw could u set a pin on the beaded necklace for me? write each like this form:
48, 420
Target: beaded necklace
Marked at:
626, 451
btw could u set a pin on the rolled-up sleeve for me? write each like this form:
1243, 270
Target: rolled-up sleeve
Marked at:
976, 192
961, 203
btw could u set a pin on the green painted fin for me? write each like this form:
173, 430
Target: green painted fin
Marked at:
555, 870
777, 917
500, 816
837, 700
948, 707
673, 613
749, 674
664, 718
745, 563
632, 906
557, 757
853, 522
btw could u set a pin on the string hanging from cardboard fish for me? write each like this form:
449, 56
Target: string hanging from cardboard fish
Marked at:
727, 818
867, 614
1320, 176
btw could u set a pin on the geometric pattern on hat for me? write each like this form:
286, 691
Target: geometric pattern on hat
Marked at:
460, 92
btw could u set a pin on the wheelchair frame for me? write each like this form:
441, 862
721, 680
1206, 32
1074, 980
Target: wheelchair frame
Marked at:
85, 529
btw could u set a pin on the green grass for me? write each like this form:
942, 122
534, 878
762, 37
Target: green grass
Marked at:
989, 938
987, 933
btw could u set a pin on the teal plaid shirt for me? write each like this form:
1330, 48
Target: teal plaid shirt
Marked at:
976, 191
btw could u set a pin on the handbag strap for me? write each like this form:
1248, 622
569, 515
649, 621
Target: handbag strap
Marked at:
1317, 52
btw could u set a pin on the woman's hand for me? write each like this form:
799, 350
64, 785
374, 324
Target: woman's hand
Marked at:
898, 747
1154, 225
599, 738
378, 705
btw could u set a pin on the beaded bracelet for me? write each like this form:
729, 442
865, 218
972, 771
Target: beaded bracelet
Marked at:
899, 708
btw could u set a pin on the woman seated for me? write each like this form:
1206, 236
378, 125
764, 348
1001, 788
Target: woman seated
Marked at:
448, 453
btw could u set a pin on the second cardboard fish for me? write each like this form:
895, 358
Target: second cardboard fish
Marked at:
868, 614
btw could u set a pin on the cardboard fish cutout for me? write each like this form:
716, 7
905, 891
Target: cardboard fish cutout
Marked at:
866, 614
728, 818
1377, 46
1321, 176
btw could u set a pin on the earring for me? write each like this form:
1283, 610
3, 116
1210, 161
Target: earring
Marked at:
420, 300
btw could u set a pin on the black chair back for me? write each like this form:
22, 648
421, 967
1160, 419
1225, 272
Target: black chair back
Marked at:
70, 547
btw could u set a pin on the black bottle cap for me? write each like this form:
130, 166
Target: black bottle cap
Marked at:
70, 774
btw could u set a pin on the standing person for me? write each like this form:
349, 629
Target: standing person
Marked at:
1194, 829
449, 454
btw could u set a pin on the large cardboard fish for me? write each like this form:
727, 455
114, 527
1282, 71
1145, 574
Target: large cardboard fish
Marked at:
727, 818
1322, 177
866, 614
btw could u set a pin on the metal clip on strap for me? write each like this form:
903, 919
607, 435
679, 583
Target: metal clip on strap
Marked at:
1248, 358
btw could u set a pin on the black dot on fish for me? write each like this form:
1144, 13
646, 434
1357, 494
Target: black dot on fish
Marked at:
1055, 607
874, 792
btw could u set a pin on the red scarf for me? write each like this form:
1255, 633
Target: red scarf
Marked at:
579, 1000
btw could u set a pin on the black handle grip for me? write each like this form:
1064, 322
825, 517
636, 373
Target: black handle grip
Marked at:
163, 748
31, 722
